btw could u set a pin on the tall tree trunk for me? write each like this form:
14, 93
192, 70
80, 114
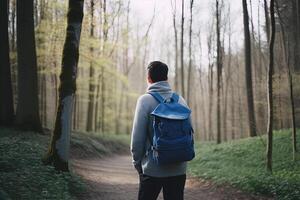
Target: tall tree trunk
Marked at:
219, 74
240, 95
103, 84
13, 25
267, 20
181, 50
203, 97
211, 87
260, 74
290, 81
27, 116
75, 115
60, 142
97, 124
270, 89
248, 73
228, 78
13, 49
91, 103
232, 111
190, 53
176, 48
297, 43
202, 107
6, 100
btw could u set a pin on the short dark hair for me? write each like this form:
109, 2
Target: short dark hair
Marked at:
158, 71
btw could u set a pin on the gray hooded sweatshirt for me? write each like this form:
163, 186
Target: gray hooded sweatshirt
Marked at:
142, 131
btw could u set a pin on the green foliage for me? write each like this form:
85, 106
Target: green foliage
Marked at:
242, 164
102, 145
22, 174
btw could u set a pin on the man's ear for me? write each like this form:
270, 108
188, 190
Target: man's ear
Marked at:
149, 79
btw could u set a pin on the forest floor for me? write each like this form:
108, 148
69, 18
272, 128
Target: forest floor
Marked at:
114, 178
101, 169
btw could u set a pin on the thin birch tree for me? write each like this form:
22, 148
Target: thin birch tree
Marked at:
58, 152
270, 88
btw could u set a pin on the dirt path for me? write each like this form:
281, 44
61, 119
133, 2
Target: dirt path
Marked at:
115, 179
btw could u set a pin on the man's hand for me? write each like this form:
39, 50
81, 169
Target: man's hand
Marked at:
139, 168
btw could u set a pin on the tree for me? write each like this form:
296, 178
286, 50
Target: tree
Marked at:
248, 74
297, 36
91, 104
27, 115
175, 45
182, 49
270, 89
190, 53
219, 72
103, 83
6, 100
58, 152
210, 83
290, 81
267, 20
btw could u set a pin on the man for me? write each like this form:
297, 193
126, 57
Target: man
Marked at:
154, 177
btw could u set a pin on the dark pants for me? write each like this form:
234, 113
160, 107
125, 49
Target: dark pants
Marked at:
173, 187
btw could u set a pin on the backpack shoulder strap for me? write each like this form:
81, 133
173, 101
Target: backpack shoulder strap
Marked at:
157, 96
175, 97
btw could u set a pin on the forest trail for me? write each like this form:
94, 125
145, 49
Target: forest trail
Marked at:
114, 178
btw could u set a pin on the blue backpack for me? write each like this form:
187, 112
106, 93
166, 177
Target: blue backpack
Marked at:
173, 133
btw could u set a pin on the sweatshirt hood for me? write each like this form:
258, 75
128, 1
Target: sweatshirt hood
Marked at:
161, 86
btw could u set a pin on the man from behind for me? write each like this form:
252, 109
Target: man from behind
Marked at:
154, 176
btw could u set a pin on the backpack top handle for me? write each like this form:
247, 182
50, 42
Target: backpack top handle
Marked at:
160, 99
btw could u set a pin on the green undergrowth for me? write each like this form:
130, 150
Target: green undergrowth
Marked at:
101, 144
22, 175
242, 163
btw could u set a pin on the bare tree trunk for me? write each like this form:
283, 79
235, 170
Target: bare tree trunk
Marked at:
13, 25
27, 115
240, 110
181, 50
43, 101
91, 103
297, 32
211, 87
270, 89
267, 19
290, 82
260, 93
6, 100
176, 47
103, 85
13, 49
190, 54
227, 78
210, 104
75, 111
219, 74
203, 97
58, 152
97, 125
232, 111
248, 73
127, 69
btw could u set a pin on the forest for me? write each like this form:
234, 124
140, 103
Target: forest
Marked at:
71, 73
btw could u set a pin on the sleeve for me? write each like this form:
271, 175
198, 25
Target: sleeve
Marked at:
139, 134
